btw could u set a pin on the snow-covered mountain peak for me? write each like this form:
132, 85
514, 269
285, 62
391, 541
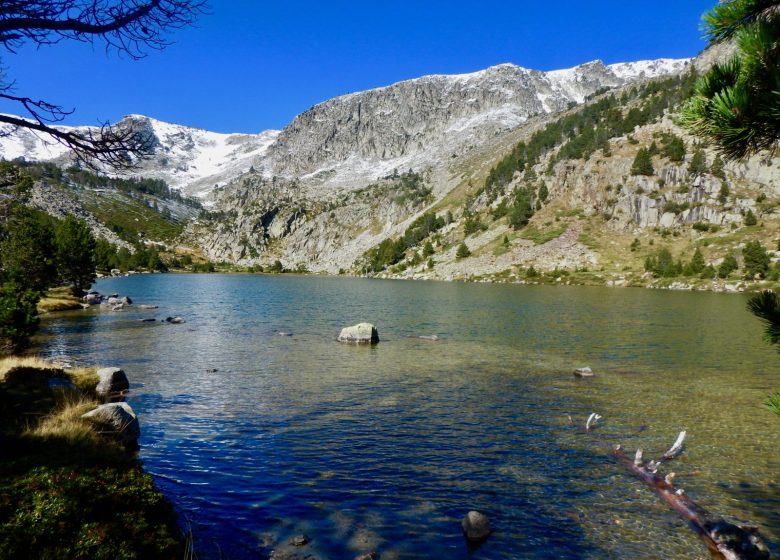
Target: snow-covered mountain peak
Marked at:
348, 140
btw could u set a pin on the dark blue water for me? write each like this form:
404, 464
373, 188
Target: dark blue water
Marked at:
386, 448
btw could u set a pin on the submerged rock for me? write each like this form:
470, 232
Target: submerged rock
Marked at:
175, 320
583, 372
117, 420
112, 381
362, 333
476, 526
299, 540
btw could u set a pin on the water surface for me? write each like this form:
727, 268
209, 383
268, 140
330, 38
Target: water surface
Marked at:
386, 448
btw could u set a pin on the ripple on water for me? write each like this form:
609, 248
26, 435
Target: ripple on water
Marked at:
258, 437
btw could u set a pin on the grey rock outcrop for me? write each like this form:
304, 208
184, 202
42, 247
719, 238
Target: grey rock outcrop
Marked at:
476, 526
362, 333
112, 382
411, 116
116, 420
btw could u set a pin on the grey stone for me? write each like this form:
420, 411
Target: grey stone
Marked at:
299, 540
117, 420
362, 333
583, 372
112, 381
175, 320
476, 526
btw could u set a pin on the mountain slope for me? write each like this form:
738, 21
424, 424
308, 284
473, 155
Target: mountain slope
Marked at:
188, 159
359, 137
598, 221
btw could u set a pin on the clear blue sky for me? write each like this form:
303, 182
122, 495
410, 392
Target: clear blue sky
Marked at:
253, 65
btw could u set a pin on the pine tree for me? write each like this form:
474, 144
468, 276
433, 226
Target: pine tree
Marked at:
750, 218
717, 168
543, 192
766, 306
643, 164
75, 254
463, 251
698, 164
728, 266
674, 148
27, 247
18, 315
522, 209
735, 103
723, 195
697, 264
756, 259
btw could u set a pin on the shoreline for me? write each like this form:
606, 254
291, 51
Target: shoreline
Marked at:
563, 278
60, 444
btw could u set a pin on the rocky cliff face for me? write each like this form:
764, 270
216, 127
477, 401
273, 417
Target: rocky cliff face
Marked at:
348, 140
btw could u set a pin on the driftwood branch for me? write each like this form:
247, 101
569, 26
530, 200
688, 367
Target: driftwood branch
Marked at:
725, 540
592, 421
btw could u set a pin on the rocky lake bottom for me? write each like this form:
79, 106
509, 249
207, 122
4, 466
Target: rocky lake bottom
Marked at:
258, 438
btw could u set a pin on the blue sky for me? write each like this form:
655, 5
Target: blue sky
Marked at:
254, 65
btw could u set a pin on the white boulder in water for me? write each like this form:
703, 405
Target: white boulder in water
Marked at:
362, 333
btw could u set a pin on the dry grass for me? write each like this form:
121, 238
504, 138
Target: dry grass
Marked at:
86, 379
82, 377
65, 422
13, 362
58, 299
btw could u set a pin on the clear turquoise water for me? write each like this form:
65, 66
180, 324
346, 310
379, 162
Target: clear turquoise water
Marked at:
386, 448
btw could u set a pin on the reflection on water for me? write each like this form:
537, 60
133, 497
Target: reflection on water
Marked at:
386, 448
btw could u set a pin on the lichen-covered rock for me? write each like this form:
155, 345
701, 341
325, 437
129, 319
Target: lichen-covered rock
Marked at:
476, 526
117, 420
112, 381
362, 333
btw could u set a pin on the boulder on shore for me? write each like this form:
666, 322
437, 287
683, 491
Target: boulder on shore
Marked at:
476, 527
362, 333
112, 381
117, 420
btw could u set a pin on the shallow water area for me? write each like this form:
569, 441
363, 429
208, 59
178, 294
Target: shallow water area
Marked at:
258, 437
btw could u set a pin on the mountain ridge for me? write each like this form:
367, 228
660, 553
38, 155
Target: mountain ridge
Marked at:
197, 160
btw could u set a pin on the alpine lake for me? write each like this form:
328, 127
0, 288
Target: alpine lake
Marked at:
258, 437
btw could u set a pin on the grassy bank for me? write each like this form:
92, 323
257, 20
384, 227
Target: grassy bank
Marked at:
58, 299
65, 491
